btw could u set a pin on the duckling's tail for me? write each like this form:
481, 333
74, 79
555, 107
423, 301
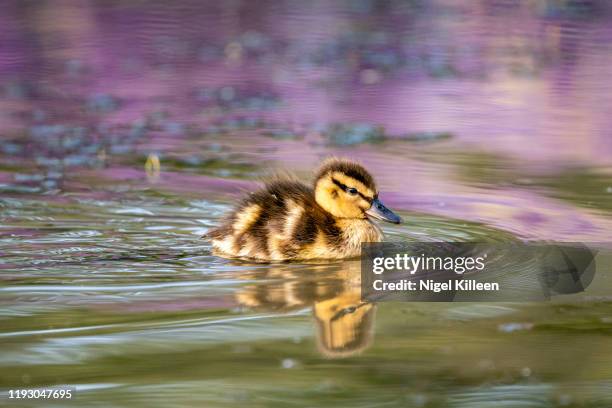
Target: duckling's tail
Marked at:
215, 233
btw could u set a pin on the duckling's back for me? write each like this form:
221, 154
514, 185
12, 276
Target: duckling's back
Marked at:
282, 222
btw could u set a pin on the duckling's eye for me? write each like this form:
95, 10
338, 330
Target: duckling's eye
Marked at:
351, 191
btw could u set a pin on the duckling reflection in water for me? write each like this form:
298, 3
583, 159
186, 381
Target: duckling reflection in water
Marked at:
288, 220
343, 323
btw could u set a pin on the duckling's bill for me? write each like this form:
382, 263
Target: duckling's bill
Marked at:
379, 211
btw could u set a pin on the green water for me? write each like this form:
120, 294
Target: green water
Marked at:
124, 301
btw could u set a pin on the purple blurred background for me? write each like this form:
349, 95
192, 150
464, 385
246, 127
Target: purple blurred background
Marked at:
493, 111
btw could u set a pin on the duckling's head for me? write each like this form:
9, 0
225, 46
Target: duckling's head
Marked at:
345, 189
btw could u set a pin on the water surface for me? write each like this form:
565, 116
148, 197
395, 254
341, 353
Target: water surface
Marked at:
128, 129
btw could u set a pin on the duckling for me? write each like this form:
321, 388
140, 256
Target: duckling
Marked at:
289, 220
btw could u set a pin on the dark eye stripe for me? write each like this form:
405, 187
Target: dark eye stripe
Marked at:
339, 184
345, 188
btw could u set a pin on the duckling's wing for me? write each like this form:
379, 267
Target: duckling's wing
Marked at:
263, 225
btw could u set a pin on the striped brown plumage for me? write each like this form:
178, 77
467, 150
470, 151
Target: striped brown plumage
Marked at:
289, 220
